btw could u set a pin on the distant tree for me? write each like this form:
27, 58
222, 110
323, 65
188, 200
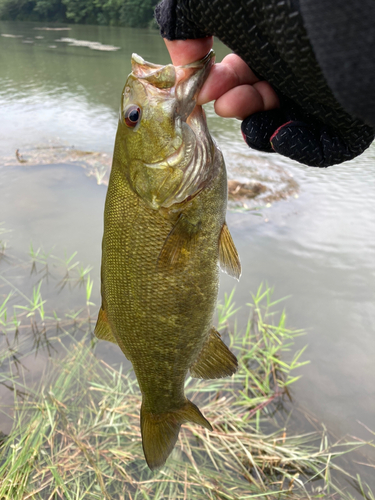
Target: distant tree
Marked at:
137, 13
50, 10
134, 13
110, 12
18, 10
81, 11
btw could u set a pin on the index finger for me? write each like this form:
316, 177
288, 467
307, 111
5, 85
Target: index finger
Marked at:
230, 73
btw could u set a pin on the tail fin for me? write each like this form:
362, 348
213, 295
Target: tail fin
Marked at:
160, 431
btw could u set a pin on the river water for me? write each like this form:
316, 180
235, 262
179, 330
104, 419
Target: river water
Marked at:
316, 244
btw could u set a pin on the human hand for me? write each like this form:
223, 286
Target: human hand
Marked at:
269, 125
237, 92
310, 125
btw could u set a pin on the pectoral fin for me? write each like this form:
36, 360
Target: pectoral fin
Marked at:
102, 329
179, 243
228, 256
160, 431
215, 359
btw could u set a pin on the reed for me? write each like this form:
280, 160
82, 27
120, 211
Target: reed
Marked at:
77, 436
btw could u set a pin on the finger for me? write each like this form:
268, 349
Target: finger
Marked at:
230, 73
188, 51
245, 100
270, 98
239, 102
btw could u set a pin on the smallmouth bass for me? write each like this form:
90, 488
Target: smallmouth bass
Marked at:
164, 235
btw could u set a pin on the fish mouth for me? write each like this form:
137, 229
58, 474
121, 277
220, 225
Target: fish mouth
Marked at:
194, 156
191, 78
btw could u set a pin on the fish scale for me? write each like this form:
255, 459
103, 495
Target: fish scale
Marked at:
160, 258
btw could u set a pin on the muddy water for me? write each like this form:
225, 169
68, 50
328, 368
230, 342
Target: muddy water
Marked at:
315, 241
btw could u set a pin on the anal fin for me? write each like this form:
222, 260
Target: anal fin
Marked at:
215, 359
228, 255
160, 431
102, 329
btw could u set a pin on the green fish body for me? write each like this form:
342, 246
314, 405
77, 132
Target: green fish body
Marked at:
164, 234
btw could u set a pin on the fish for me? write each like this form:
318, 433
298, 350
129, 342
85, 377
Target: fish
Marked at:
164, 236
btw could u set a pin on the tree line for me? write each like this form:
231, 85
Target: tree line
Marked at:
134, 13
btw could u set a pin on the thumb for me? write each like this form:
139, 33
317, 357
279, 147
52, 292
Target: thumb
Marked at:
188, 51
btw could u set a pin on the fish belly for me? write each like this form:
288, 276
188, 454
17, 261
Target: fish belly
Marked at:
160, 316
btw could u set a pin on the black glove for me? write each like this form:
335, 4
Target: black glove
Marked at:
293, 133
311, 126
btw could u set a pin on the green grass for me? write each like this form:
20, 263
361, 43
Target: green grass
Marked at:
77, 435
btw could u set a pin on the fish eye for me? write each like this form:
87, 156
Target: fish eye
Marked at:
132, 115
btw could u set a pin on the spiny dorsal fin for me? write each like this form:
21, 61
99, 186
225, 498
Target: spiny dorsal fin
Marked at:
160, 431
228, 256
179, 244
102, 329
215, 359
